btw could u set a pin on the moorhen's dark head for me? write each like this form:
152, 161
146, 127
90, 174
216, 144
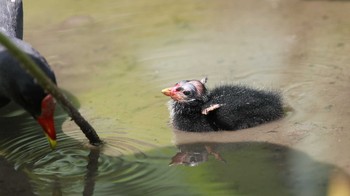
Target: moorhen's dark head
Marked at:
17, 85
187, 91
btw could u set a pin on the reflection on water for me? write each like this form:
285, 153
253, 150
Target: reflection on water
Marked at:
194, 154
115, 56
259, 168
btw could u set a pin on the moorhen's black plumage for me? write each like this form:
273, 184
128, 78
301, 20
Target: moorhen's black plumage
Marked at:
227, 107
16, 84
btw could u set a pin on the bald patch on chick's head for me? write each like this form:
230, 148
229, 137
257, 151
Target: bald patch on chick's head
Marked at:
199, 85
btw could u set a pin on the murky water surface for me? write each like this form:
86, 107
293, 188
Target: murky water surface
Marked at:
113, 58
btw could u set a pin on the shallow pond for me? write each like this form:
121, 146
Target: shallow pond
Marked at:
112, 58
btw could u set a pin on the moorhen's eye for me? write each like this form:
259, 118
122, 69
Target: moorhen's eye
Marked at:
186, 92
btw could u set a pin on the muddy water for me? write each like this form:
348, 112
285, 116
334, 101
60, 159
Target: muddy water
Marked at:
113, 57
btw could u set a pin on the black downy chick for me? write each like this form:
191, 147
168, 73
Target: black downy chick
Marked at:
228, 107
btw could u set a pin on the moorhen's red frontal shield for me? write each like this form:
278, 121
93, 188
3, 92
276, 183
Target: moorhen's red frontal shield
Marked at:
46, 119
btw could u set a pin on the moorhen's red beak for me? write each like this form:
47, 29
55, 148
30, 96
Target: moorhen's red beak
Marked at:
46, 119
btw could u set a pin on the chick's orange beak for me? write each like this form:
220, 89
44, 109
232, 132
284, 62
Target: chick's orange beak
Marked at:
167, 91
46, 119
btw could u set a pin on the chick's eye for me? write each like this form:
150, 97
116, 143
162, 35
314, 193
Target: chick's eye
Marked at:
186, 92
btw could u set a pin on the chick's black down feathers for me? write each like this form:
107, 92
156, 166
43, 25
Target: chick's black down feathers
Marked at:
227, 107
242, 107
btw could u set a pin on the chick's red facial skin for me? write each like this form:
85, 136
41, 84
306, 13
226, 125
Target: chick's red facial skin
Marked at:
173, 92
46, 119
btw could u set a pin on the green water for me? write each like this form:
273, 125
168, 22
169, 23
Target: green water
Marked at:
114, 57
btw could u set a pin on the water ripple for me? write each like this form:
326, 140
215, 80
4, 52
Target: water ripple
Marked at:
98, 173
120, 166
63, 162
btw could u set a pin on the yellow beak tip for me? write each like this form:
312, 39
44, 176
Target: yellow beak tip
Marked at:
166, 91
52, 143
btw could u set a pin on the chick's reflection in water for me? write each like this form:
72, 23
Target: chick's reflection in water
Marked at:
253, 167
195, 154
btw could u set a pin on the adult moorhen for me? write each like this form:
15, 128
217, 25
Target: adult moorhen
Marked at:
16, 84
228, 107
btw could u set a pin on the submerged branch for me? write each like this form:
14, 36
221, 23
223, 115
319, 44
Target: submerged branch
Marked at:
28, 64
